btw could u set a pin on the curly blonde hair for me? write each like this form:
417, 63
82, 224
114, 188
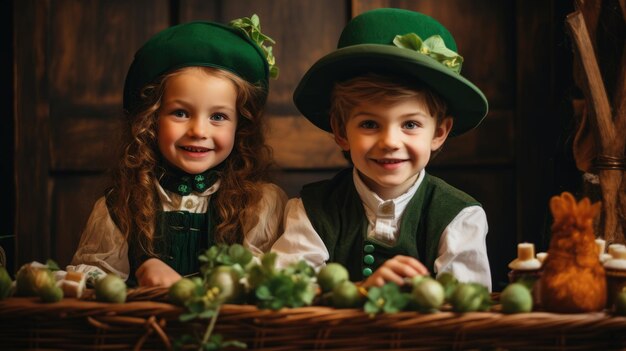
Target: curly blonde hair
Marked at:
134, 202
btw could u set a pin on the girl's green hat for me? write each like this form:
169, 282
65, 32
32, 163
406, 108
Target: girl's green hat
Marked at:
198, 43
397, 42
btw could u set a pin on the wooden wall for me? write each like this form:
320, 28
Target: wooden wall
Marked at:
70, 58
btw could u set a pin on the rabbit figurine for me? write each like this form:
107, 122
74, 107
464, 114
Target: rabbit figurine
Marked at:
573, 279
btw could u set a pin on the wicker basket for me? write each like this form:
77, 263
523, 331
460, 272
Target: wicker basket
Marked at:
148, 322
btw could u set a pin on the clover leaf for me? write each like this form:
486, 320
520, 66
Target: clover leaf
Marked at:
234, 255
386, 299
274, 289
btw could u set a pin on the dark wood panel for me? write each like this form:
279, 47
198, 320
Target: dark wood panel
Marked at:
200, 10
534, 122
32, 211
298, 144
7, 135
490, 143
73, 198
495, 189
86, 143
91, 46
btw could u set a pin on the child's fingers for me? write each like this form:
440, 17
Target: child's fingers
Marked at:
389, 273
412, 266
374, 280
383, 275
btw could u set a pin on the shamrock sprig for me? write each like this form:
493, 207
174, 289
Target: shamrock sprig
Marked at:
386, 299
234, 255
252, 27
433, 47
293, 286
205, 300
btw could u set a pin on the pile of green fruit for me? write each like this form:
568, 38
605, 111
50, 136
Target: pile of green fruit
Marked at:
32, 280
421, 293
229, 274
35, 279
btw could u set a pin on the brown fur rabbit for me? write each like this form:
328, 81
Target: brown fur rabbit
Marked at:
573, 278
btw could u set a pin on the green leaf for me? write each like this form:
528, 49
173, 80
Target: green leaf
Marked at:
388, 299
293, 286
184, 340
255, 21
235, 343
206, 314
409, 41
263, 293
252, 28
240, 255
433, 47
52, 265
185, 317
195, 305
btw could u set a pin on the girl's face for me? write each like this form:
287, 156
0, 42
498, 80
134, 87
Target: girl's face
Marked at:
197, 120
390, 143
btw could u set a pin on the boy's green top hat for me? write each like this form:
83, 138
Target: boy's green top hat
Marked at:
199, 43
397, 42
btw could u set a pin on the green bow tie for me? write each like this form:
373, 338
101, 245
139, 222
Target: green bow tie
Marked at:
183, 183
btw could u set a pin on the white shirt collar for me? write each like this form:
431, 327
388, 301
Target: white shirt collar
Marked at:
374, 203
384, 216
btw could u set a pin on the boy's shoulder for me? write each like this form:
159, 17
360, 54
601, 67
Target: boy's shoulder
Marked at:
340, 178
338, 191
439, 188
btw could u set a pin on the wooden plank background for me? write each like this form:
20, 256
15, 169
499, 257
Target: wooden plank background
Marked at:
70, 58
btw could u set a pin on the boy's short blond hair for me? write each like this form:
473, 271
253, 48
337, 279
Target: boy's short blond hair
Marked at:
348, 94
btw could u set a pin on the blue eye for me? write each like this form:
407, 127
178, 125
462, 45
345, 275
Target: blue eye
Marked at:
180, 113
219, 117
368, 125
411, 125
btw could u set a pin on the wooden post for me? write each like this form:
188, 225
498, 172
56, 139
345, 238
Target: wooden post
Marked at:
609, 132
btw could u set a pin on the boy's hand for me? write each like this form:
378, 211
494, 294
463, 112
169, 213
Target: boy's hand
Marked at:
395, 270
154, 272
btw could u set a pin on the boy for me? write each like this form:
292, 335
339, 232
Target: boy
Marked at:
388, 95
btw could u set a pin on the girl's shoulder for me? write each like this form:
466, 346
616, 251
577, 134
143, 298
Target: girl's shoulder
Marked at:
272, 192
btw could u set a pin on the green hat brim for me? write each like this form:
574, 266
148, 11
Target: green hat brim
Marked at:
312, 96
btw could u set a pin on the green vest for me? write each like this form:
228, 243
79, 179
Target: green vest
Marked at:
181, 236
336, 212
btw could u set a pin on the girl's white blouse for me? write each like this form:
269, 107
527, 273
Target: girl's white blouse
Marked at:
102, 244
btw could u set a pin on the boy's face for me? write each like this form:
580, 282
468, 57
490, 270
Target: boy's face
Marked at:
197, 120
390, 143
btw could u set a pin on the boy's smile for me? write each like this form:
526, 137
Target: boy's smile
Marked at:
390, 143
197, 120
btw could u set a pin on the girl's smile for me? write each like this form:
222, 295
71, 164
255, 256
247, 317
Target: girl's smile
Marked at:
195, 151
197, 120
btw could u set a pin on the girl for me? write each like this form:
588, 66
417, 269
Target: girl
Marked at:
194, 164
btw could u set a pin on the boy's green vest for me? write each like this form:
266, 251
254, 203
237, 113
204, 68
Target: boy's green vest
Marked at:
336, 212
